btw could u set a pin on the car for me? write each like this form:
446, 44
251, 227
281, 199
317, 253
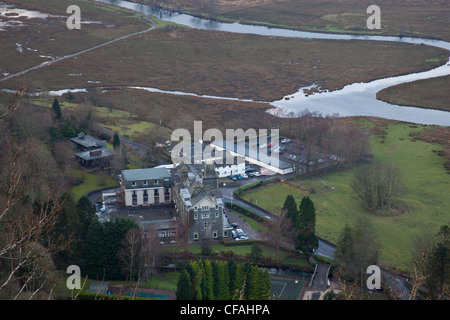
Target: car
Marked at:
239, 177
234, 178
292, 157
263, 146
244, 175
241, 238
285, 140
234, 225
250, 174
256, 174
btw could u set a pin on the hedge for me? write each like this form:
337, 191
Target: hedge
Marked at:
247, 212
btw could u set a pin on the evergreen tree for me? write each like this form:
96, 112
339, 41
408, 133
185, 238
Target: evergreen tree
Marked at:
184, 289
116, 141
238, 283
196, 280
57, 108
291, 206
232, 269
223, 283
209, 281
95, 258
306, 238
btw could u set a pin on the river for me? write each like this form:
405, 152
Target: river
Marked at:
357, 99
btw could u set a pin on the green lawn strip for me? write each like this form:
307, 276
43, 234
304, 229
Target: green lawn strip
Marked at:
426, 206
164, 281
89, 182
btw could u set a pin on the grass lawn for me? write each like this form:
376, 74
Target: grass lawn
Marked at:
89, 182
424, 208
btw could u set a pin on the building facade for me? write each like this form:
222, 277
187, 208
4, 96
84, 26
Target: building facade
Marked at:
145, 187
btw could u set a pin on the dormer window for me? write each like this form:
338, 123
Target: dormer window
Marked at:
133, 183
145, 183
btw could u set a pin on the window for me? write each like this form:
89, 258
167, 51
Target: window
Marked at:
195, 216
205, 208
195, 208
205, 225
215, 234
217, 214
205, 215
145, 197
145, 183
195, 235
133, 183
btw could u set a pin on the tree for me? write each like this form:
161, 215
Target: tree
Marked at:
27, 267
306, 223
131, 254
357, 248
116, 141
184, 288
57, 108
256, 254
290, 205
377, 186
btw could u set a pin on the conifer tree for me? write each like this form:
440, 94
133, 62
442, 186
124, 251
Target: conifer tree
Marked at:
291, 206
306, 238
57, 108
184, 289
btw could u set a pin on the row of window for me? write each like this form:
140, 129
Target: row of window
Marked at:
215, 234
205, 208
205, 215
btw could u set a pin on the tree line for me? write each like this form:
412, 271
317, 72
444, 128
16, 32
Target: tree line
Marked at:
303, 223
222, 280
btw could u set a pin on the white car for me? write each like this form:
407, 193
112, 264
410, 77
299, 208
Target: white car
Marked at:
256, 174
244, 176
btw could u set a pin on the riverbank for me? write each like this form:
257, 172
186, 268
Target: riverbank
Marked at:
429, 93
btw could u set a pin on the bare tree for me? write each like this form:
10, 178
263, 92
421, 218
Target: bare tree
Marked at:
280, 230
26, 267
131, 253
377, 186
152, 249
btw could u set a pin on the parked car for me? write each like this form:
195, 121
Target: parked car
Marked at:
244, 175
239, 177
285, 140
233, 178
256, 174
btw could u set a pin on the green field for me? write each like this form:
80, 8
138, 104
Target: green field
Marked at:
424, 208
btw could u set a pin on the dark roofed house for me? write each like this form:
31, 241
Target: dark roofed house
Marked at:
93, 152
95, 158
85, 142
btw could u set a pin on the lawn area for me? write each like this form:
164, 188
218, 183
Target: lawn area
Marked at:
90, 182
424, 208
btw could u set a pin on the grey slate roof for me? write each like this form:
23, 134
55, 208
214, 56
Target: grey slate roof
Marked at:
145, 174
